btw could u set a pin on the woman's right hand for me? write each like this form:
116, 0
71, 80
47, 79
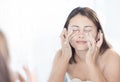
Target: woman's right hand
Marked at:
30, 76
62, 58
65, 42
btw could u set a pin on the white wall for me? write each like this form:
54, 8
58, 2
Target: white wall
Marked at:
32, 28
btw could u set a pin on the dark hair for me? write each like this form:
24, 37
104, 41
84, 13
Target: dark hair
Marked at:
85, 11
4, 60
4, 47
4, 70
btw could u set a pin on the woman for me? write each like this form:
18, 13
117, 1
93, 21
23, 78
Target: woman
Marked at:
85, 54
6, 74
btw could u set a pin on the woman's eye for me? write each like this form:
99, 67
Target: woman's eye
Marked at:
75, 29
88, 30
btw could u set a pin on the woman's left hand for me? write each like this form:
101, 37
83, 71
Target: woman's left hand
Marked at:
94, 47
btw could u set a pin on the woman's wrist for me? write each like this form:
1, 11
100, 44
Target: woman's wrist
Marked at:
65, 59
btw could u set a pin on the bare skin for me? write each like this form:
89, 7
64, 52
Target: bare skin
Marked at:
105, 64
90, 65
18, 76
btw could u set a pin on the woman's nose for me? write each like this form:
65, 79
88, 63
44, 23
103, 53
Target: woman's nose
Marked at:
81, 34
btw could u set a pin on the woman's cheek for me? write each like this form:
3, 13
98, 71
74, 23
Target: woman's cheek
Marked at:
94, 34
73, 42
74, 39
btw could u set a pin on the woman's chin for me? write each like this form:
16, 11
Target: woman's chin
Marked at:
81, 48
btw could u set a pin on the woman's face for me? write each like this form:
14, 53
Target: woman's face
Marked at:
84, 26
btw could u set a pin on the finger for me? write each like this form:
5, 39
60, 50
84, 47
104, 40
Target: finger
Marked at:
66, 35
89, 44
31, 76
87, 38
20, 77
70, 35
99, 43
98, 36
27, 71
97, 50
62, 36
92, 41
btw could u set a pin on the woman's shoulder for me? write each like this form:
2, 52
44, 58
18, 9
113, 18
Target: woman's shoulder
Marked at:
111, 54
110, 57
111, 65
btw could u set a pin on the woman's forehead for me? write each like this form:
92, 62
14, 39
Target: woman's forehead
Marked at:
80, 20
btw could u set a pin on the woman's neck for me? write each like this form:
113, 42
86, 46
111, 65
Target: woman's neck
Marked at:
81, 55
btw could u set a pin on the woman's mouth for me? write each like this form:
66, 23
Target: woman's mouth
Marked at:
81, 42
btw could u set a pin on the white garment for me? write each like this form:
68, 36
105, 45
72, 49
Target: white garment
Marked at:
74, 79
78, 80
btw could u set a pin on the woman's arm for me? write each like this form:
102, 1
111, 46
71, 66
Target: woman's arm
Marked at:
62, 58
92, 55
59, 68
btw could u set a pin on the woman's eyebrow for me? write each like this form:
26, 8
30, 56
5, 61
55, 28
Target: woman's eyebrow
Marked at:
88, 26
74, 26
